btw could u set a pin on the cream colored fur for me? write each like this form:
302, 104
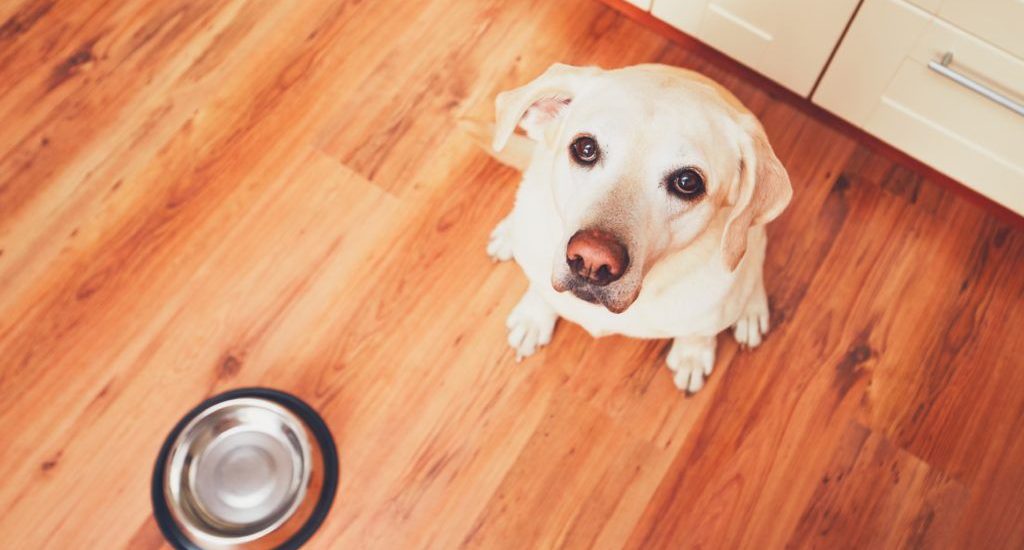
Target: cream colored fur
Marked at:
696, 268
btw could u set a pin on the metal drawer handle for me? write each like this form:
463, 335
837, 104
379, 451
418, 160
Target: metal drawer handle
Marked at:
943, 67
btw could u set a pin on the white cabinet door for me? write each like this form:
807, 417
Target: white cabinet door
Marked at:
882, 81
788, 41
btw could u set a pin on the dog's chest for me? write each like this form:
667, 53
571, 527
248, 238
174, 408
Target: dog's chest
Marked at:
657, 313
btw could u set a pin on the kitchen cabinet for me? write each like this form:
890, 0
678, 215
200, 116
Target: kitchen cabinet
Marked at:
940, 80
944, 95
787, 40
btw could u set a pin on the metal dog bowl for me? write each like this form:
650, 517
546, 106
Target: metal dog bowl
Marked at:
252, 468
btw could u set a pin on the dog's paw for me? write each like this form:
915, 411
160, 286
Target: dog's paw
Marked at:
499, 248
691, 360
530, 325
753, 323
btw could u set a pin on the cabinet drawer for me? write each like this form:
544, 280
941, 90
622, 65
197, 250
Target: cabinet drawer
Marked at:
999, 22
788, 41
880, 80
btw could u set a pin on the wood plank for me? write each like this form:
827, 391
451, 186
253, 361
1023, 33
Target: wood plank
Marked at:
196, 197
875, 495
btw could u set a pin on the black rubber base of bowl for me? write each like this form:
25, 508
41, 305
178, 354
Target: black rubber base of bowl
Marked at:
323, 439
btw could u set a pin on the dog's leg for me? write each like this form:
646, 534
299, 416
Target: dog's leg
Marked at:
753, 322
499, 248
530, 324
691, 359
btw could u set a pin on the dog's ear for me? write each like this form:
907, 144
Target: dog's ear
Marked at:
761, 193
538, 103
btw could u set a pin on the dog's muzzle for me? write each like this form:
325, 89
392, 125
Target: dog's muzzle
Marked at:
596, 257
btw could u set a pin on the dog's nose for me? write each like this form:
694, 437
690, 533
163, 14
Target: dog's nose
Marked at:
596, 256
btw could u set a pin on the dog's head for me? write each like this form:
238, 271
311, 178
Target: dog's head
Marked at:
641, 162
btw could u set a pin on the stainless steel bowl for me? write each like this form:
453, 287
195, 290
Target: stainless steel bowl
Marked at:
247, 469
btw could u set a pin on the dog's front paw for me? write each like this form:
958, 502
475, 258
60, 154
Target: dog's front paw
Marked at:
499, 248
530, 325
691, 360
753, 323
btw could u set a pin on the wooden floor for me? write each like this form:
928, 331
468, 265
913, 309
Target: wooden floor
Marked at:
201, 196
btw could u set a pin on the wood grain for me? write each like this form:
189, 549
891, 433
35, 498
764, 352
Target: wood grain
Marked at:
196, 197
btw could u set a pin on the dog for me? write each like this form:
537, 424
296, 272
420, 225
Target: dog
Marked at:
641, 211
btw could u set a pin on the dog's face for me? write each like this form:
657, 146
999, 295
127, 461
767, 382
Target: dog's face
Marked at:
641, 161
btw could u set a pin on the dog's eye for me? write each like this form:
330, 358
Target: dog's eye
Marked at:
686, 184
584, 150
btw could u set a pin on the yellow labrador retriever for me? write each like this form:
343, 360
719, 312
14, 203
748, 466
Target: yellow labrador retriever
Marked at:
641, 211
